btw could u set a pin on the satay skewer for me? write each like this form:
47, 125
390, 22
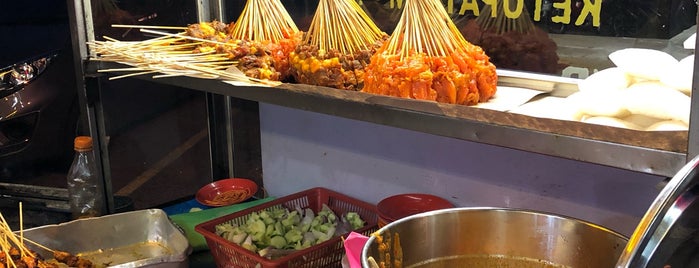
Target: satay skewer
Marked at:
172, 53
185, 37
149, 27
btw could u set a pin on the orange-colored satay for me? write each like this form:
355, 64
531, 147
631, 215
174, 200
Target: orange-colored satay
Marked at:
464, 77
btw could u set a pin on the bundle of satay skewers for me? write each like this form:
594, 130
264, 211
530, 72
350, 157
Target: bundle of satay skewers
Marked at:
513, 43
260, 41
338, 45
253, 49
427, 58
167, 55
15, 252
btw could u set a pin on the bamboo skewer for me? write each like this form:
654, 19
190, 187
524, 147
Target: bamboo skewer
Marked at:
148, 57
10, 240
181, 35
149, 27
263, 20
13, 239
173, 66
131, 75
501, 24
21, 228
40, 245
342, 25
171, 54
425, 27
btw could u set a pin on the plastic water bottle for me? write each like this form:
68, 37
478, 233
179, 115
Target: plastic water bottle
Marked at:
85, 191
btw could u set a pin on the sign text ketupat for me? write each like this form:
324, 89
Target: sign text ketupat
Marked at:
590, 8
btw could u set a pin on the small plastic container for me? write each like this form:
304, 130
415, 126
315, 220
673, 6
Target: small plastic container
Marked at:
395, 207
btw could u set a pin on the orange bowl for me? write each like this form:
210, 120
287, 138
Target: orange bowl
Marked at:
399, 206
226, 192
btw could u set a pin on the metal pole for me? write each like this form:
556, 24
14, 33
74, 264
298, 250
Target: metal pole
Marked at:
693, 135
82, 31
219, 108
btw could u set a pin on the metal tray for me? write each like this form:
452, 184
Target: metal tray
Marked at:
143, 238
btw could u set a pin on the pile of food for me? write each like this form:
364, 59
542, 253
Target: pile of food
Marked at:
647, 90
173, 55
278, 231
259, 42
15, 257
532, 51
513, 43
427, 58
337, 47
254, 49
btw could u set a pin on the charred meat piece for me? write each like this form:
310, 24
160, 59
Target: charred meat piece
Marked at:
72, 260
310, 65
65, 257
257, 59
29, 259
214, 30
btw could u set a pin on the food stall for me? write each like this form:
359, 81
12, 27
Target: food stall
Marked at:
371, 146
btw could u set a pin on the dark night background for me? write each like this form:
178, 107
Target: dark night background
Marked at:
30, 28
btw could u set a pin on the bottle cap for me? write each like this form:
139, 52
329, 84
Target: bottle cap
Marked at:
83, 143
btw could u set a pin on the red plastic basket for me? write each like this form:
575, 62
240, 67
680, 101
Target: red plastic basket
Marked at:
326, 254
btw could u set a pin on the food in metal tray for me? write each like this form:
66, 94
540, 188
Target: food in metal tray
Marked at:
22, 257
15, 252
130, 239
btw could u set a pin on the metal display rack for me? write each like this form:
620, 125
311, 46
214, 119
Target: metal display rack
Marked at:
463, 123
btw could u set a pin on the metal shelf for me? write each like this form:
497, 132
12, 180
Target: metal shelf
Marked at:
469, 123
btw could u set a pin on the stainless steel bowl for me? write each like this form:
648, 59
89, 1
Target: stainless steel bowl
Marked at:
493, 236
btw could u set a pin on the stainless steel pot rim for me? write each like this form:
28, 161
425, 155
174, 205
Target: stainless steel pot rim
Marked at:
517, 210
391, 225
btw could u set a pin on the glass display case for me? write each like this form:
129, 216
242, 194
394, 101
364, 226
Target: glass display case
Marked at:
562, 44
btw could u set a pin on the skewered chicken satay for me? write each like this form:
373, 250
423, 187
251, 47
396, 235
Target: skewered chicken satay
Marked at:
260, 41
337, 47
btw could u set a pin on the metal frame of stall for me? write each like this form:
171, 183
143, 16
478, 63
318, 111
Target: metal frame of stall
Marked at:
219, 107
228, 105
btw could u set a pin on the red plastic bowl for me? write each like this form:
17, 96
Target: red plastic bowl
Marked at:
399, 206
226, 192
